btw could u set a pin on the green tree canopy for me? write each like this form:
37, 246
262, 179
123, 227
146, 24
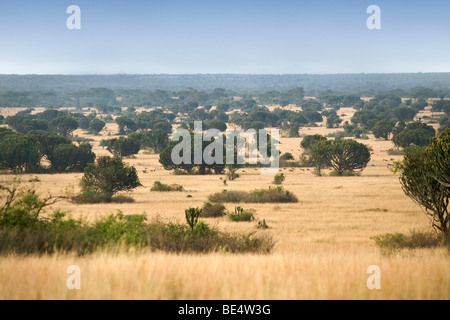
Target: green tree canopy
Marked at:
64, 126
18, 153
108, 176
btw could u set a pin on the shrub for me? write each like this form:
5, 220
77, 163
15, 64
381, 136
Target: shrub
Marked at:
279, 178
158, 186
275, 195
392, 243
213, 210
287, 156
109, 176
232, 172
334, 173
240, 214
92, 197
395, 152
262, 224
24, 231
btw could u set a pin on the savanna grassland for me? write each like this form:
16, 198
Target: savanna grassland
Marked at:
323, 243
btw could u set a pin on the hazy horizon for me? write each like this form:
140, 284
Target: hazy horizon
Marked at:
224, 37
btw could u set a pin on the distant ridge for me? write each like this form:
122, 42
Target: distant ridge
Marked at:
344, 83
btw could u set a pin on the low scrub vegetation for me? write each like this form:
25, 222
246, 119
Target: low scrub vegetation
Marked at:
279, 178
271, 195
213, 210
241, 214
161, 187
23, 230
394, 242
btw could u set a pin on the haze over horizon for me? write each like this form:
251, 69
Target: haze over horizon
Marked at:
224, 37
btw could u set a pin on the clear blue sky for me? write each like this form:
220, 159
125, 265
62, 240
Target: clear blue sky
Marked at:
224, 36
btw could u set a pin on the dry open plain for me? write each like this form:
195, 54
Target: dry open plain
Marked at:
323, 243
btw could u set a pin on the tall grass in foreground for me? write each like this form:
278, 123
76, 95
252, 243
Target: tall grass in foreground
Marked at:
118, 231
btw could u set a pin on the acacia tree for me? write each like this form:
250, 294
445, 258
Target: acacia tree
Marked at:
384, 128
310, 140
343, 155
126, 125
122, 147
156, 140
109, 176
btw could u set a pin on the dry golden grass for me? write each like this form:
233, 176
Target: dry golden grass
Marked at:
323, 244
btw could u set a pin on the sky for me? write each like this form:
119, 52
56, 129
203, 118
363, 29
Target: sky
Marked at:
224, 36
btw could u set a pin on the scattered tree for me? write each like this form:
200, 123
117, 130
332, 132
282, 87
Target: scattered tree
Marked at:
109, 176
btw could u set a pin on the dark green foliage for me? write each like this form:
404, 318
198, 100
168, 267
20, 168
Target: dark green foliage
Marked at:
419, 105
165, 158
62, 154
343, 155
404, 113
156, 140
214, 124
439, 158
126, 125
294, 131
271, 195
444, 124
64, 126
69, 158
384, 128
96, 125
26, 123
109, 176
287, 156
333, 120
122, 147
309, 141
415, 134
18, 153
192, 215
424, 178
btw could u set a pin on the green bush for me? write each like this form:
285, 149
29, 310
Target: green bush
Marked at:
158, 186
213, 210
287, 156
240, 214
279, 178
391, 243
334, 173
24, 231
271, 195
